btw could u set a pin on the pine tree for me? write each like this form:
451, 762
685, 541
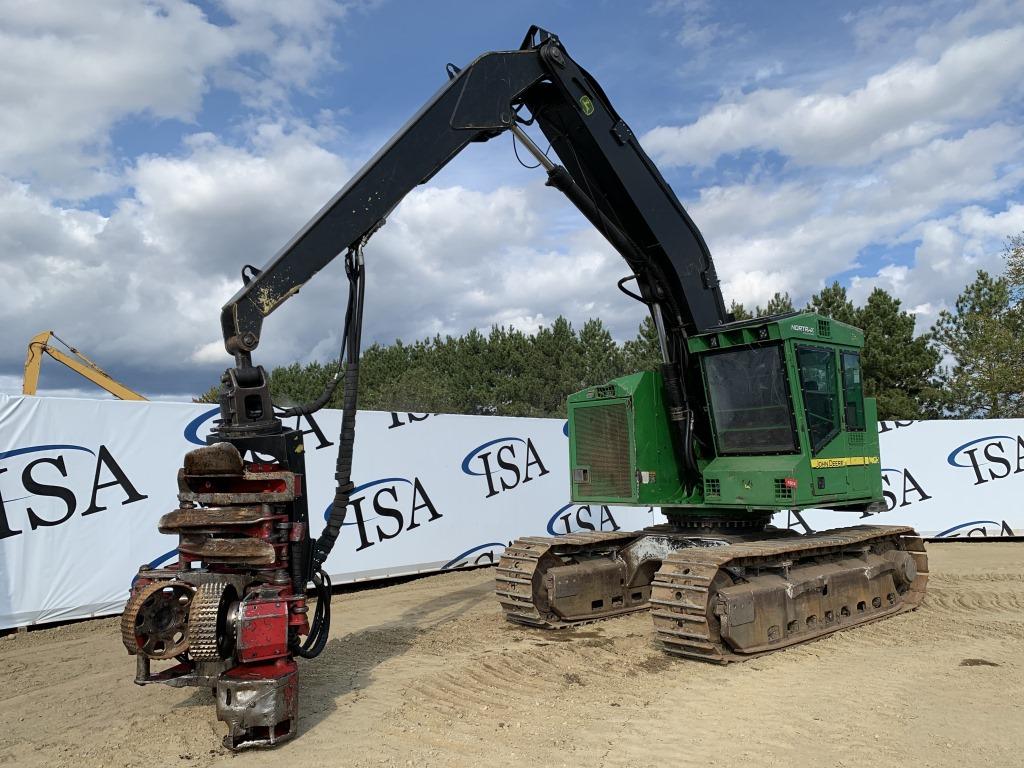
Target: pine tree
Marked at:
1014, 255
644, 352
832, 302
983, 339
601, 358
556, 362
739, 312
778, 304
897, 367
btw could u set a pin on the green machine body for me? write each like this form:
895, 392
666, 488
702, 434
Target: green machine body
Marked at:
782, 424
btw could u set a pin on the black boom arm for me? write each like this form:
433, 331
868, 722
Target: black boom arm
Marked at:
606, 174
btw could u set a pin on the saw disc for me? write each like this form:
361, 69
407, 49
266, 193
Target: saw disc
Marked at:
155, 620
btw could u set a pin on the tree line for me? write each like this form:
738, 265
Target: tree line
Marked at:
968, 365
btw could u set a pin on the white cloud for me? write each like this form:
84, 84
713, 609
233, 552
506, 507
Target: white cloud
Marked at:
146, 283
922, 155
795, 236
294, 38
64, 84
950, 252
878, 26
142, 289
70, 71
911, 102
901, 158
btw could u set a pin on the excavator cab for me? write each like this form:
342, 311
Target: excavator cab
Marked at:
792, 427
786, 426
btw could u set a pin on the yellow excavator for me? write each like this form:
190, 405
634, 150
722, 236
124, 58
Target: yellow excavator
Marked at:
76, 361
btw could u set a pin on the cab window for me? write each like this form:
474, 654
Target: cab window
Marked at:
853, 392
750, 403
818, 385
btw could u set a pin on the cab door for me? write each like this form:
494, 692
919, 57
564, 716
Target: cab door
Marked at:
819, 388
860, 469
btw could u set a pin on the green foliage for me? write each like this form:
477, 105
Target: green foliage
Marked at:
832, 302
1014, 255
643, 353
212, 395
511, 373
898, 367
506, 372
739, 312
777, 305
984, 339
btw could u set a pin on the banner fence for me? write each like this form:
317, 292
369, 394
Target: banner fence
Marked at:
83, 483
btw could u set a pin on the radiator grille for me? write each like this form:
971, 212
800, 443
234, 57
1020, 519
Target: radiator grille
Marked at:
602, 445
856, 438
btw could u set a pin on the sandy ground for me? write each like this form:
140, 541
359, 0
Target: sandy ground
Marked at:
428, 673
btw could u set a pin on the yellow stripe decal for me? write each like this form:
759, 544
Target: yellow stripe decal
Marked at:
846, 461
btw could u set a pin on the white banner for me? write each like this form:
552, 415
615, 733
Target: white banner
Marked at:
948, 479
83, 483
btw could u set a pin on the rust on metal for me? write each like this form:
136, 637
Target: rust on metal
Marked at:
155, 620
744, 600
534, 579
209, 638
246, 488
216, 459
213, 517
259, 704
217, 550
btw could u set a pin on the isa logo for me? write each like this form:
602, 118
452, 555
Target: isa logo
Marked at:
901, 489
977, 529
484, 554
197, 429
384, 509
506, 463
200, 425
573, 518
46, 485
995, 457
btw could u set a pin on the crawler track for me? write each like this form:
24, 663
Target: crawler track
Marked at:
765, 592
686, 610
522, 567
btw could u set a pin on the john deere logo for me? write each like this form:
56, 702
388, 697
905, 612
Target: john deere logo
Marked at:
587, 104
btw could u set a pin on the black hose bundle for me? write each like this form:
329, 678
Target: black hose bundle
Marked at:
348, 364
343, 466
320, 627
307, 408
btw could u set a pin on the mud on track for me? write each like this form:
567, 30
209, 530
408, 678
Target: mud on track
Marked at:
428, 673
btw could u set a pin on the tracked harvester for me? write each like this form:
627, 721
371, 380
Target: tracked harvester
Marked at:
741, 419
784, 424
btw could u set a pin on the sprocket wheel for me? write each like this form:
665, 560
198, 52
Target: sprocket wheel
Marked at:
209, 635
155, 620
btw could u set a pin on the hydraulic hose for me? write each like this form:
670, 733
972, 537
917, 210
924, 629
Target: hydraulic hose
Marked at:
320, 626
305, 409
343, 466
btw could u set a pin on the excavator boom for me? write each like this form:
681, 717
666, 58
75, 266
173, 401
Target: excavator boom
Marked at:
76, 361
605, 172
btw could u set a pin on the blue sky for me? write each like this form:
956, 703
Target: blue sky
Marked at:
150, 149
